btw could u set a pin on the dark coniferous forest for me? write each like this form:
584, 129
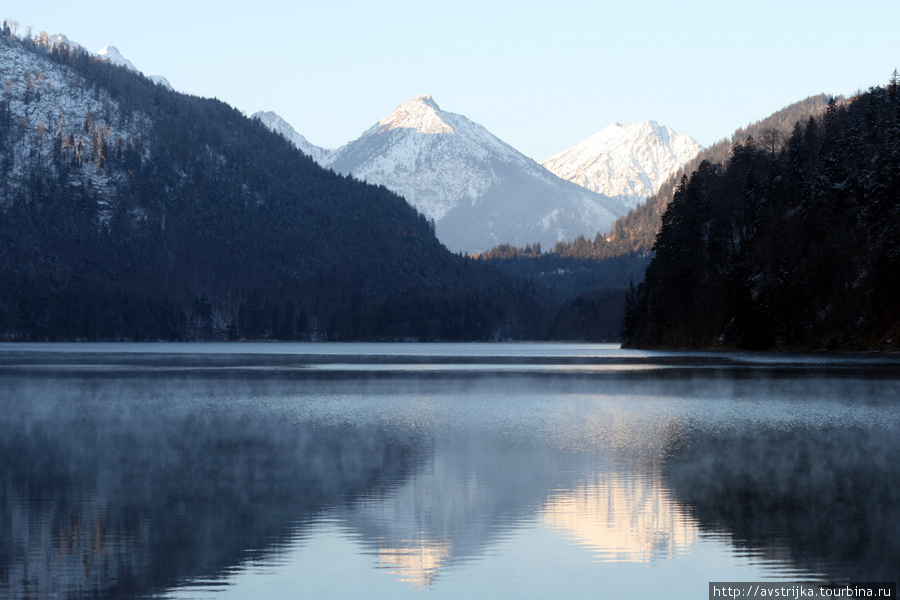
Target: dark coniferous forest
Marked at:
793, 243
202, 224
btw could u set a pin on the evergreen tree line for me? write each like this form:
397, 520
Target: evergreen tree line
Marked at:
209, 226
788, 245
590, 277
565, 271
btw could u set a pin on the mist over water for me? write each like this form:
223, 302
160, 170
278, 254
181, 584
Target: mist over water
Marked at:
478, 470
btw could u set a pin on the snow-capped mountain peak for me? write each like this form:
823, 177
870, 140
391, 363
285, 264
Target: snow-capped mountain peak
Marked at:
420, 113
112, 54
479, 190
628, 161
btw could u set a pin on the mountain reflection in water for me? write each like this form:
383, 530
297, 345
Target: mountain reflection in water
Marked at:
188, 475
622, 518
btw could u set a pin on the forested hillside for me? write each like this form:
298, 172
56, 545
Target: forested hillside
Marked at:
606, 265
128, 211
636, 231
788, 245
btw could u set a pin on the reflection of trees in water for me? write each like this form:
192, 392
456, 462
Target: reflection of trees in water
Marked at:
122, 505
829, 497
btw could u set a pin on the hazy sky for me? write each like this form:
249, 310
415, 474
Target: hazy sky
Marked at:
540, 75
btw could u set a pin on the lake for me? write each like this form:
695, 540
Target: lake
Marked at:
440, 470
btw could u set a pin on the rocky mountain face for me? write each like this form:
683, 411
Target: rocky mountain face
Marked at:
627, 162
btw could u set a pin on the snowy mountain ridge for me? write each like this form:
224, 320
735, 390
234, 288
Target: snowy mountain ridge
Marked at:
479, 190
423, 115
628, 162
427, 159
452, 169
109, 53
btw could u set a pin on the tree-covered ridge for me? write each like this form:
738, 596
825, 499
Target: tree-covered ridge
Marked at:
131, 211
636, 231
618, 258
794, 245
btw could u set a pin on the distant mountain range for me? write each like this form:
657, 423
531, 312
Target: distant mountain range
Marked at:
481, 192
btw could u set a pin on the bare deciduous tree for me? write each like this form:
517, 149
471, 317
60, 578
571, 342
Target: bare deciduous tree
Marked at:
772, 138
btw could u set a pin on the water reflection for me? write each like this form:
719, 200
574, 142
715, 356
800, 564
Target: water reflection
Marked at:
469, 492
139, 474
822, 500
105, 495
414, 561
622, 518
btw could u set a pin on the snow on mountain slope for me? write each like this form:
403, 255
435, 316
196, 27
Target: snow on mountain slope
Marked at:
112, 54
160, 80
628, 162
275, 123
59, 115
480, 191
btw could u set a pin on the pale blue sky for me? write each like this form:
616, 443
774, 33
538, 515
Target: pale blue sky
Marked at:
540, 75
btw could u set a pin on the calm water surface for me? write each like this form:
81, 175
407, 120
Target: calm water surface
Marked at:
440, 470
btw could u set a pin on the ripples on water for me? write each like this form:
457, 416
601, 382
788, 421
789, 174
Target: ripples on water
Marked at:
482, 470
